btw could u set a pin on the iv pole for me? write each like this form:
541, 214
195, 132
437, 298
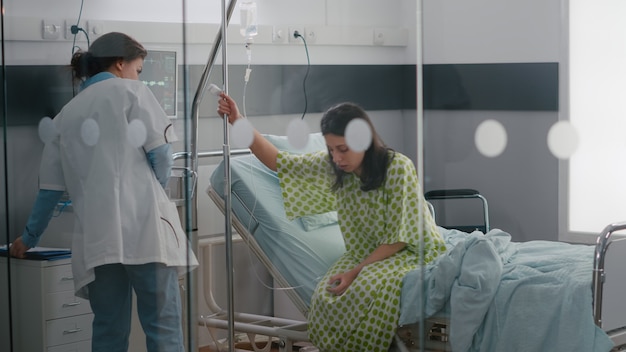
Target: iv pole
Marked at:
219, 39
227, 194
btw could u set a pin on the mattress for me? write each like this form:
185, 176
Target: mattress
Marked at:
301, 255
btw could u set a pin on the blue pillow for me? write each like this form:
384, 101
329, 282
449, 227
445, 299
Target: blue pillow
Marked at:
312, 222
315, 143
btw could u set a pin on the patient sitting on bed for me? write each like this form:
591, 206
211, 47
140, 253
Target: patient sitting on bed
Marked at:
380, 207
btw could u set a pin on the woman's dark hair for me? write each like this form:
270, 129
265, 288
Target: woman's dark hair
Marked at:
105, 52
376, 158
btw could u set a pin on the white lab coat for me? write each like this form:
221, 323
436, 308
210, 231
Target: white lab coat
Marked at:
123, 214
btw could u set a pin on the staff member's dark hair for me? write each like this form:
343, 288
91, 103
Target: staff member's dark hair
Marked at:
105, 52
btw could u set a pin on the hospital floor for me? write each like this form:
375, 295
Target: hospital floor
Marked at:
245, 346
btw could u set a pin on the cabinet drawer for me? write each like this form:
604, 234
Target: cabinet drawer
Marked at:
83, 346
64, 304
58, 278
68, 330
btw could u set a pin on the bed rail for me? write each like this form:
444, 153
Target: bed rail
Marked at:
602, 244
189, 172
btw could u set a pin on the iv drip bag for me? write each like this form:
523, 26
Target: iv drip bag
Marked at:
247, 10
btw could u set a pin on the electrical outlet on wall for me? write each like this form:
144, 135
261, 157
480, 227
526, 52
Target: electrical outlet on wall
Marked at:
68, 29
279, 34
95, 29
310, 34
51, 29
292, 37
379, 36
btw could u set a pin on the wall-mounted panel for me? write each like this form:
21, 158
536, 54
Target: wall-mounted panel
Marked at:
37, 91
512, 86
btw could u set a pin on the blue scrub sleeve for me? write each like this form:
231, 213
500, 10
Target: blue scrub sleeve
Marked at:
40, 216
161, 161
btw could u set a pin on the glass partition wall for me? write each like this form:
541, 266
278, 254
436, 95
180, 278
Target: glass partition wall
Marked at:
286, 62
39, 311
479, 98
527, 115
5, 335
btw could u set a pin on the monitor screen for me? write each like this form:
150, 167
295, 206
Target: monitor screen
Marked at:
159, 74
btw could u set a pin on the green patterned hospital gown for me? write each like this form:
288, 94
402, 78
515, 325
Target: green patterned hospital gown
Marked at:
365, 317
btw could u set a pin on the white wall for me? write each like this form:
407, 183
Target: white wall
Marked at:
344, 29
491, 31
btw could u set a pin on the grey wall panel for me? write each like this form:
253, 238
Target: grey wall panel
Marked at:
521, 184
290, 89
37, 91
505, 86
450, 161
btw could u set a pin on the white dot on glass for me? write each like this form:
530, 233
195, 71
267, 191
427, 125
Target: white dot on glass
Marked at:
298, 133
136, 133
358, 135
490, 138
242, 133
563, 139
47, 130
90, 132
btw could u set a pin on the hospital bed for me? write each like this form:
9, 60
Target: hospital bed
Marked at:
486, 293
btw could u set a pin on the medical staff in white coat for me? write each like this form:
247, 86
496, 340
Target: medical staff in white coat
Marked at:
109, 149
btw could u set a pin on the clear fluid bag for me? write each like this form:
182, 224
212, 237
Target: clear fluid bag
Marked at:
248, 14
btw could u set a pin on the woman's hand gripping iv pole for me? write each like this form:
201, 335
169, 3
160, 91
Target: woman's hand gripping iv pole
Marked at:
265, 151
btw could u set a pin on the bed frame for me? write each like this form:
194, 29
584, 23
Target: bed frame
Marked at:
608, 287
286, 331
609, 284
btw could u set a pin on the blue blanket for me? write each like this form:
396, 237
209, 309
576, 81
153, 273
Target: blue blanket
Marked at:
509, 296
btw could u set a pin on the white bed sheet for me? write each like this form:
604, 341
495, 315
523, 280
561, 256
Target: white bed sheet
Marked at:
500, 295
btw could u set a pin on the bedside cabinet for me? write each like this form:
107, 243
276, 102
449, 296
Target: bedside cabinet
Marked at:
46, 316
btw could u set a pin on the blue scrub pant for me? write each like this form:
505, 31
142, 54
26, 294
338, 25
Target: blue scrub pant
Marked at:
158, 307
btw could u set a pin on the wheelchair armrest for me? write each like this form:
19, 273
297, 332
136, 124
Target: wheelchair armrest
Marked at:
451, 193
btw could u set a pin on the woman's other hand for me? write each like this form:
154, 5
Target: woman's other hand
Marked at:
18, 248
227, 106
338, 284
